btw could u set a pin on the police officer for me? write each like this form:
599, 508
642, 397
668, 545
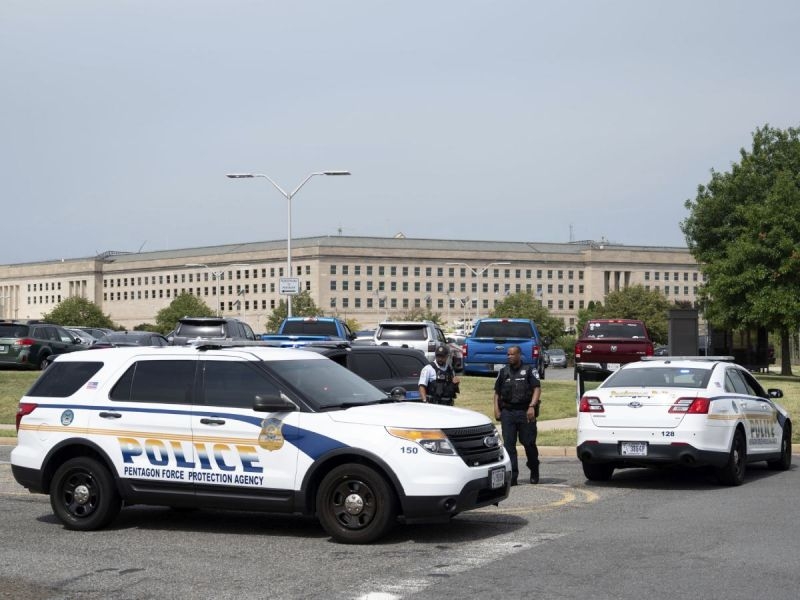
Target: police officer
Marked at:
438, 383
516, 406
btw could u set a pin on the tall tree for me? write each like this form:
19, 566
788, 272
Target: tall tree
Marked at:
523, 305
302, 306
79, 311
184, 305
634, 302
744, 230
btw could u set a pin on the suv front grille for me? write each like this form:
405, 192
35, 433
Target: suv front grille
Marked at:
471, 444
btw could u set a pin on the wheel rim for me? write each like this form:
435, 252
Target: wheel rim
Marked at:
80, 494
353, 504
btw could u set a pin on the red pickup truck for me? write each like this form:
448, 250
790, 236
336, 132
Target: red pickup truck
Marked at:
605, 344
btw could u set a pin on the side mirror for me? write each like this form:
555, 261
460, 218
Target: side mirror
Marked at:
398, 393
775, 393
273, 402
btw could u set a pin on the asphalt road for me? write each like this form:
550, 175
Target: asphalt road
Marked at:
646, 534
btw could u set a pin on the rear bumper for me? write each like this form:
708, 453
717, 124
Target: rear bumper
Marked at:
657, 454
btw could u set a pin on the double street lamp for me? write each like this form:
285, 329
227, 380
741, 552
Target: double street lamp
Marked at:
477, 272
288, 197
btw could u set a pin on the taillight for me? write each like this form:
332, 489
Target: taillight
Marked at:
649, 350
690, 406
24, 342
577, 351
25, 408
591, 404
431, 345
464, 349
535, 352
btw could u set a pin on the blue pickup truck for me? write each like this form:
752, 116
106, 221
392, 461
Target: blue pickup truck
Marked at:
485, 349
300, 331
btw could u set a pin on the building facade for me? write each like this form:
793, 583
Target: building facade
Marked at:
364, 278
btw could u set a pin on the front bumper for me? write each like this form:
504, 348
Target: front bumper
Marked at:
432, 509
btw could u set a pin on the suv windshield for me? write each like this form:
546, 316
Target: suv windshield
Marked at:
13, 330
211, 330
403, 332
500, 329
616, 330
309, 328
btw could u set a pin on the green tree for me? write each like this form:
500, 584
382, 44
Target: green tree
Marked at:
184, 305
522, 305
634, 302
744, 230
302, 306
79, 311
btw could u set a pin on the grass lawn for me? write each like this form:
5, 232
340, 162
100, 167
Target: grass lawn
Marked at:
558, 400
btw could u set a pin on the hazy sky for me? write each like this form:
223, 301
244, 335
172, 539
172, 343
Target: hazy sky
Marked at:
459, 119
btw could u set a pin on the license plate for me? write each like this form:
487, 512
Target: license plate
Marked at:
612, 366
497, 477
634, 448
498, 367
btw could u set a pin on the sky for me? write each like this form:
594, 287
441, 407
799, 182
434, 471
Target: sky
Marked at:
458, 119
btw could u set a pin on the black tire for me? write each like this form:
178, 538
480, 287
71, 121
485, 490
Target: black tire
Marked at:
733, 471
45, 362
597, 471
355, 504
541, 373
83, 495
785, 461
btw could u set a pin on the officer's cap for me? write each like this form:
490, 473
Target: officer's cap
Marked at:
442, 351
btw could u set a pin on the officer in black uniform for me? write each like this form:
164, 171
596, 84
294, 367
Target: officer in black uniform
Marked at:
516, 405
438, 383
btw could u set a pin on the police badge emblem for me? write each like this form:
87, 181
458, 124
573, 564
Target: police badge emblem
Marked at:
271, 436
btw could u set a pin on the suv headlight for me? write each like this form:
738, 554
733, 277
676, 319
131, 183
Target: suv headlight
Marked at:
432, 440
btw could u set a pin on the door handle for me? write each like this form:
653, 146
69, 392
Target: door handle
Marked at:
206, 421
110, 415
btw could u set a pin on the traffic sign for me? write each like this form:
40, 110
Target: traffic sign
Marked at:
289, 285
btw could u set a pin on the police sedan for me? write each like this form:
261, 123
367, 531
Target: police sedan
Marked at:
692, 411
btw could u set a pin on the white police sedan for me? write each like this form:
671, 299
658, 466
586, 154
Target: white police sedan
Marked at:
693, 411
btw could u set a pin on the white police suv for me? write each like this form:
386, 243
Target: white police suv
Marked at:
248, 427
693, 411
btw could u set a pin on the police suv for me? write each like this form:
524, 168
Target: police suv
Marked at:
238, 426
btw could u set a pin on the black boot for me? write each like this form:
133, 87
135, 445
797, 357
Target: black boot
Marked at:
535, 473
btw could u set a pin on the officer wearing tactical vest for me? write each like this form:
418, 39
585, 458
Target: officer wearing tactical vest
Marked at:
516, 406
438, 383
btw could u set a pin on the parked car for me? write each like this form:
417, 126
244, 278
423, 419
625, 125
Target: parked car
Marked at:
422, 335
386, 367
682, 411
34, 345
556, 357
210, 328
96, 332
84, 337
131, 338
364, 337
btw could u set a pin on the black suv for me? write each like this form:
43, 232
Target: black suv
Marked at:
385, 367
210, 328
34, 345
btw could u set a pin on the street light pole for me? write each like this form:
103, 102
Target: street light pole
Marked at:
477, 272
288, 197
215, 276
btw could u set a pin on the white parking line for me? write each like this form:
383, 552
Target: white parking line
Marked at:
450, 560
